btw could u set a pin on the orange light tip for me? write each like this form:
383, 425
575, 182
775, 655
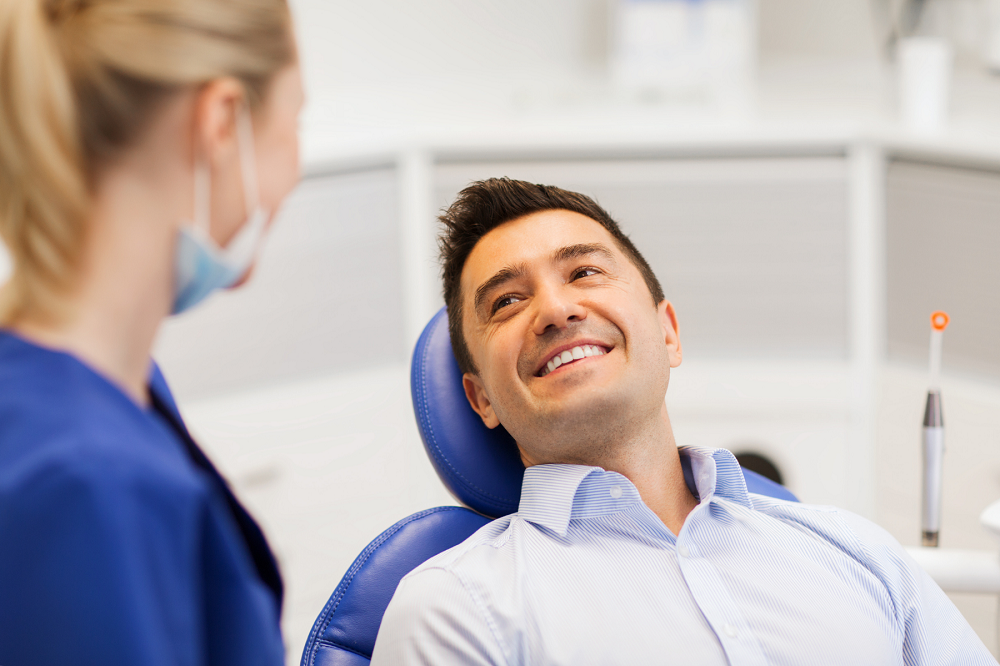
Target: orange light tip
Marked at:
939, 320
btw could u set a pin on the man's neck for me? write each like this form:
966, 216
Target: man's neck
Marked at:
653, 465
650, 460
663, 490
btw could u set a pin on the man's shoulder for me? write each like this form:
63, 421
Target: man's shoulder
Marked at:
854, 535
786, 508
479, 549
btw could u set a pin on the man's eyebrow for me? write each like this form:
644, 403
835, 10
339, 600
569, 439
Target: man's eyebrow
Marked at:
509, 273
582, 250
505, 274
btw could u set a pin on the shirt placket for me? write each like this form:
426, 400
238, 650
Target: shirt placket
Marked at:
714, 599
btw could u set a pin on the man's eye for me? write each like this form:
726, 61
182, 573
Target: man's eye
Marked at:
504, 301
586, 271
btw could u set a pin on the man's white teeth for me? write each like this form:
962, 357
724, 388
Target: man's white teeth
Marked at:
574, 354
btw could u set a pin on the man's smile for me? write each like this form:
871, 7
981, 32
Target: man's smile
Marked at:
569, 354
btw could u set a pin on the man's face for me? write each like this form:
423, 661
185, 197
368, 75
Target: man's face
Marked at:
554, 285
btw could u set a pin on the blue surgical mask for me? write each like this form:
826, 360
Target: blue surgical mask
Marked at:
200, 265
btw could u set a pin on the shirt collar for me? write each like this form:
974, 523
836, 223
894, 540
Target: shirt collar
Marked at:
716, 473
552, 495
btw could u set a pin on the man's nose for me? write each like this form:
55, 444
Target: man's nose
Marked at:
555, 308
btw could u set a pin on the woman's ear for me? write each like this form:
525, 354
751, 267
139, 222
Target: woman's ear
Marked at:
475, 393
215, 112
671, 331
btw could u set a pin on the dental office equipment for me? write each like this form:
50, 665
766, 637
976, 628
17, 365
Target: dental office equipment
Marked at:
933, 437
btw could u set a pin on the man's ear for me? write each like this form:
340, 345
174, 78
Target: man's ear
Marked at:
475, 393
671, 331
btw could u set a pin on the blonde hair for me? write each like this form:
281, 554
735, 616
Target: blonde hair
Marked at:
79, 81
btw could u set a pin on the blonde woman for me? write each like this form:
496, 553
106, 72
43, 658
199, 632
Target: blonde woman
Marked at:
144, 145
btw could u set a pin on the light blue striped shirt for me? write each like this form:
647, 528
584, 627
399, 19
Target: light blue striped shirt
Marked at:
585, 573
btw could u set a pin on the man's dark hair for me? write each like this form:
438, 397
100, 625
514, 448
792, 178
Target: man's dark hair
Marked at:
484, 206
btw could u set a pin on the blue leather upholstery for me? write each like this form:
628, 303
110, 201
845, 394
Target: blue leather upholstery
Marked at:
481, 467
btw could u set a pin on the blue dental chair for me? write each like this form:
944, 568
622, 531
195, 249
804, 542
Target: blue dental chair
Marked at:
481, 468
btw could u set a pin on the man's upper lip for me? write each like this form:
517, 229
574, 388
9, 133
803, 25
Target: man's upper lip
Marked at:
569, 345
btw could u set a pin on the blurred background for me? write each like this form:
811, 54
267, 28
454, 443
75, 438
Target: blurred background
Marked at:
809, 179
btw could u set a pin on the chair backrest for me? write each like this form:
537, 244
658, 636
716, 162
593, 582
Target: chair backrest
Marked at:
344, 633
481, 467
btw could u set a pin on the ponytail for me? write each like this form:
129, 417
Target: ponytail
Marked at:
43, 194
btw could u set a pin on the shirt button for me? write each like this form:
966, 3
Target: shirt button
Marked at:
730, 630
684, 552
616, 492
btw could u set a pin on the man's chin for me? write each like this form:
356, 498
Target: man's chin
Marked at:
574, 390
582, 411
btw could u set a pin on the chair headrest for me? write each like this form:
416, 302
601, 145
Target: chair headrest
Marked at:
479, 466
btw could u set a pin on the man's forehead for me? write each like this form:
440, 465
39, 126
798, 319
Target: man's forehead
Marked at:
536, 236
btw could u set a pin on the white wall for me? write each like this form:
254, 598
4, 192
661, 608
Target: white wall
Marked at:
351, 45
450, 56
348, 43
818, 29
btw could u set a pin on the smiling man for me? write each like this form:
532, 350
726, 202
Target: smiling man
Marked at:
566, 339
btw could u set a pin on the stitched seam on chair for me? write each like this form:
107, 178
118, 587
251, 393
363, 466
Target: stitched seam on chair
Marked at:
425, 408
331, 606
343, 647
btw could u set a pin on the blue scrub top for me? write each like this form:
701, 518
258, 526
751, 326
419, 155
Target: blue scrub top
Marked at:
119, 541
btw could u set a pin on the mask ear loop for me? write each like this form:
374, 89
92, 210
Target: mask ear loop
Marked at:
202, 196
248, 159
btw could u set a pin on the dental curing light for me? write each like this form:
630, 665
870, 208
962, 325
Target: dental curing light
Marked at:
933, 437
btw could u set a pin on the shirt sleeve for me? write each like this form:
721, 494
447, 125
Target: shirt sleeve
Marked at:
98, 565
432, 619
934, 631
